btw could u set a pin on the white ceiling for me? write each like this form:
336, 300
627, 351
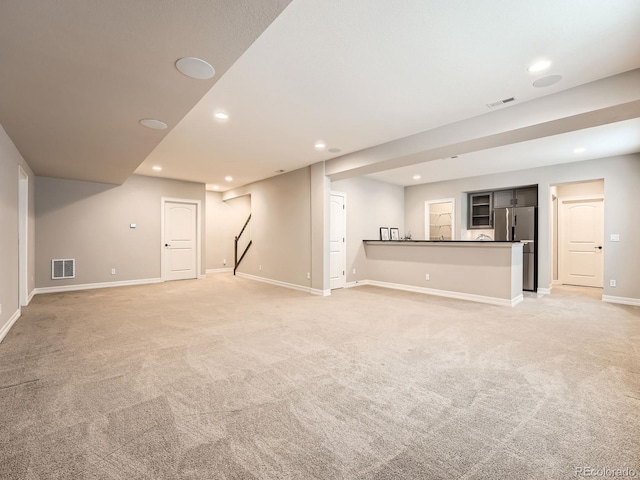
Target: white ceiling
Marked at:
77, 76
618, 138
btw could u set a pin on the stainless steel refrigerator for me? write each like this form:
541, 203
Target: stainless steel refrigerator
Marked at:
520, 224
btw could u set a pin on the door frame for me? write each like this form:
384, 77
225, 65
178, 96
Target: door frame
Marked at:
23, 237
561, 233
198, 204
427, 221
344, 218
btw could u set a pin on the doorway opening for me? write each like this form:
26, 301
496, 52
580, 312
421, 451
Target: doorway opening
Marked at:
23, 237
439, 219
338, 240
577, 234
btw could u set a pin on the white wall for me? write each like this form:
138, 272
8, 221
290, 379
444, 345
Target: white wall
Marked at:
224, 222
621, 177
370, 205
280, 227
10, 159
580, 189
90, 222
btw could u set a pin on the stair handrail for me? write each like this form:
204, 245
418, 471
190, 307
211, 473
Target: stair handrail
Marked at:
236, 261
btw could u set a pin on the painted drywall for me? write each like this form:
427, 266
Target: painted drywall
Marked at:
370, 205
621, 176
553, 231
280, 227
580, 189
10, 159
224, 222
90, 222
488, 270
320, 226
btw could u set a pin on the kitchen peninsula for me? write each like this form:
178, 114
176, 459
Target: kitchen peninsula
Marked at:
480, 271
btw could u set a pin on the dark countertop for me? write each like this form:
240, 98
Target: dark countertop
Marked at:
442, 241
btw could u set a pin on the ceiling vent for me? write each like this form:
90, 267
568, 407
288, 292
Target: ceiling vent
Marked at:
65, 268
499, 103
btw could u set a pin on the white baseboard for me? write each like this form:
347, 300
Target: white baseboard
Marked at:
91, 286
503, 302
30, 297
7, 326
322, 293
621, 300
556, 282
202, 277
292, 286
545, 291
352, 284
219, 270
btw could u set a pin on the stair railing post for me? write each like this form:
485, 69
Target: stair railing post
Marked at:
235, 256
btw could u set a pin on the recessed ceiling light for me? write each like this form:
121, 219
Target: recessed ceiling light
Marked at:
320, 145
579, 150
539, 66
156, 168
228, 178
335, 150
153, 123
417, 177
547, 81
195, 68
221, 116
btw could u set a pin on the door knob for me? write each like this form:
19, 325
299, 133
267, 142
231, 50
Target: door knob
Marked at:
167, 245
599, 247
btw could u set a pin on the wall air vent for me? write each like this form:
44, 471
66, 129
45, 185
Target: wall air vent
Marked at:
499, 103
65, 268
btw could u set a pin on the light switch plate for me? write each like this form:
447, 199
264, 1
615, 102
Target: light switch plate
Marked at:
615, 237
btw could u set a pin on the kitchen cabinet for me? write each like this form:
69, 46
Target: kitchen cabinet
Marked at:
516, 197
480, 210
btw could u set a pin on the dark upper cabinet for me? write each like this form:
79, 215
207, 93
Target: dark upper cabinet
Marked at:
480, 210
526, 197
516, 197
503, 198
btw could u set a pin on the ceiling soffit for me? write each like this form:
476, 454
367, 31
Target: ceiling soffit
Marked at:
77, 76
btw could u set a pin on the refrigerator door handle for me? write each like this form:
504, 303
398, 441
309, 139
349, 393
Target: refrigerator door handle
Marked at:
506, 225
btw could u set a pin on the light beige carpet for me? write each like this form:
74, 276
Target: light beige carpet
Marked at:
231, 378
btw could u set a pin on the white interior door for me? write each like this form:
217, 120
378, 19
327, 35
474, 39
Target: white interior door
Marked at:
180, 245
338, 241
581, 242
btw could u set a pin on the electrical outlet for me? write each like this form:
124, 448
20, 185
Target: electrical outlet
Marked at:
612, 283
113, 271
224, 261
354, 271
615, 237
426, 276
308, 275
260, 267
